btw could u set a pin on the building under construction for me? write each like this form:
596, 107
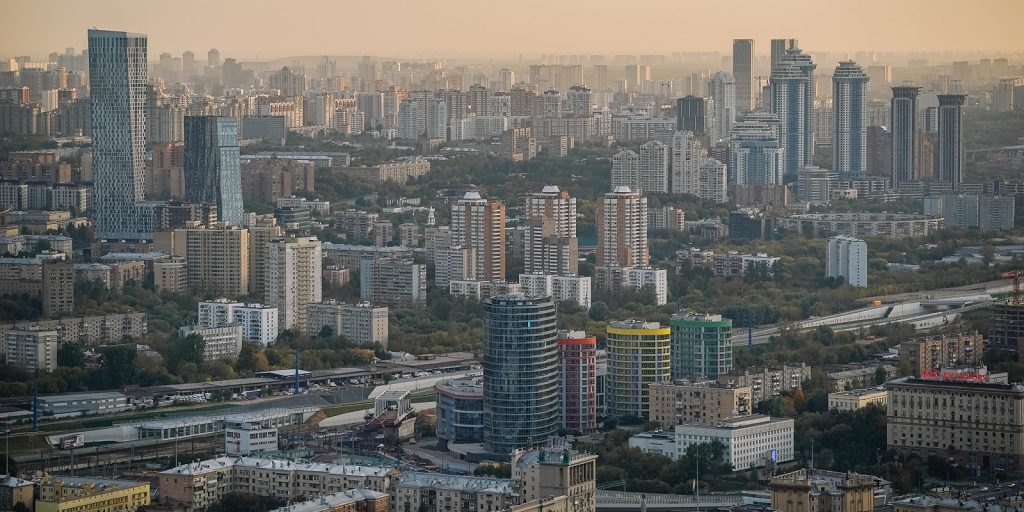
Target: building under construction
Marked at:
1007, 330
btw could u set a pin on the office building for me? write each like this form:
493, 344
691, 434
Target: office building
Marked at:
942, 351
622, 229
117, 95
701, 346
638, 356
963, 417
577, 381
849, 115
361, 323
779, 48
294, 279
904, 127
460, 411
520, 407
854, 399
750, 441
742, 72
848, 259
218, 258
815, 185
218, 342
31, 349
554, 471
695, 114
705, 402
480, 225
808, 490
87, 494
395, 281
722, 89
792, 99
191, 486
212, 168
950, 164
550, 245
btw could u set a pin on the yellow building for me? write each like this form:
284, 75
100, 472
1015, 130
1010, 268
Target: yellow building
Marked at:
812, 490
638, 356
81, 494
857, 399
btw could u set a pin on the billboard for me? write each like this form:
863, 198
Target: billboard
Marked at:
72, 441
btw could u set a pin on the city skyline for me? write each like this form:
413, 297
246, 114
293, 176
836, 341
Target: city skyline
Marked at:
178, 30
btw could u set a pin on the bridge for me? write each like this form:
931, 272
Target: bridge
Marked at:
612, 501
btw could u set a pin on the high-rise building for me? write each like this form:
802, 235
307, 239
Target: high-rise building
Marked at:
701, 346
520, 369
687, 154
904, 128
712, 181
294, 279
31, 349
722, 89
217, 258
779, 47
792, 99
622, 229
849, 107
117, 95
58, 287
213, 58
742, 71
686, 402
848, 259
577, 378
950, 165
550, 245
755, 157
940, 351
694, 114
394, 281
638, 356
480, 225
212, 168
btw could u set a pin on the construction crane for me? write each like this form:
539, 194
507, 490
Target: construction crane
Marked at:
1015, 275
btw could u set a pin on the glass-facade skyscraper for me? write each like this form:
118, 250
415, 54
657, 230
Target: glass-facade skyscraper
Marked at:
950, 167
903, 124
792, 99
212, 168
849, 117
520, 372
742, 72
117, 95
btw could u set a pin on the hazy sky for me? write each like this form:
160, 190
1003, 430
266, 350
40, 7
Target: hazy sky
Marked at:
419, 28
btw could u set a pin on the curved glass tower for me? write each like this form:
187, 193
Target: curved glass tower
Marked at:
520, 372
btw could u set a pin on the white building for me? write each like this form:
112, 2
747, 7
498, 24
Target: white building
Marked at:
218, 342
317, 207
259, 322
712, 181
750, 441
249, 439
31, 350
722, 89
294, 278
646, 171
481, 290
638, 277
560, 288
657, 442
687, 155
848, 258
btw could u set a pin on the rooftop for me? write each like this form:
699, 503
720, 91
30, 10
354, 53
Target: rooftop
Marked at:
332, 501
456, 483
831, 482
98, 484
859, 392
206, 466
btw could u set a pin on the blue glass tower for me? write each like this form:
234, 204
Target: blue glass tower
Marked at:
212, 168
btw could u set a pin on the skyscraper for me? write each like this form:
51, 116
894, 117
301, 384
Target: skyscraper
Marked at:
480, 225
722, 89
622, 229
213, 58
755, 157
701, 346
692, 115
950, 167
551, 246
212, 168
294, 279
520, 369
117, 85
638, 356
779, 47
742, 68
687, 155
904, 128
849, 107
792, 99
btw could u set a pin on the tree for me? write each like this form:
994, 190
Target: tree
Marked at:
119, 365
188, 350
599, 311
252, 360
880, 376
71, 354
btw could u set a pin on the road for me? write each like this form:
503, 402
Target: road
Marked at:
358, 417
